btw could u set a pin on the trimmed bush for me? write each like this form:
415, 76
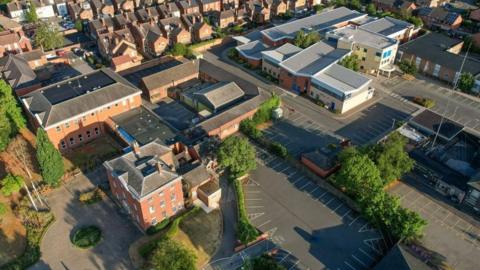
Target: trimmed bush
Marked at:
87, 237
246, 232
158, 227
249, 128
408, 67
264, 113
279, 149
11, 184
92, 196
425, 102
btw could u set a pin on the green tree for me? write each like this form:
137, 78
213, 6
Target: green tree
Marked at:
351, 62
171, 255
359, 176
415, 21
371, 9
10, 106
318, 8
355, 4
5, 131
391, 158
408, 67
79, 25
48, 37
49, 159
237, 155
179, 49
31, 13
303, 40
264, 112
264, 262
11, 184
466, 82
340, 3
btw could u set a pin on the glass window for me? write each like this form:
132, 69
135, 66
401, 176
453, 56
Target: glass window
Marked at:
67, 125
364, 49
162, 204
80, 137
72, 141
63, 144
378, 54
172, 197
97, 131
58, 128
151, 209
164, 214
154, 221
88, 133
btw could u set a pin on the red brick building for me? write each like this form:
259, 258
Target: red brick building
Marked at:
74, 111
145, 183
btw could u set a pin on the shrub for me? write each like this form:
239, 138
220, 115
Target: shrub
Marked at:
3, 209
279, 149
264, 112
233, 53
92, 196
246, 232
87, 237
248, 127
408, 67
146, 250
179, 49
237, 29
168, 254
425, 102
158, 227
11, 184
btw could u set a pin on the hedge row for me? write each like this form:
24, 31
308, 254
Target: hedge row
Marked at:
246, 232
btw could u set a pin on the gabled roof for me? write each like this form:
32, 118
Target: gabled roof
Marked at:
166, 76
318, 22
281, 53
252, 50
82, 94
313, 59
16, 71
219, 94
342, 79
387, 26
139, 171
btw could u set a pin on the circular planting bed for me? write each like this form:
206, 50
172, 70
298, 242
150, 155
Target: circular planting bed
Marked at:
87, 237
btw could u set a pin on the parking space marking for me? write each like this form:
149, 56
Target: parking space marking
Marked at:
360, 261
333, 198
366, 253
293, 183
349, 265
265, 223
348, 212
308, 183
353, 221
333, 211
254, 206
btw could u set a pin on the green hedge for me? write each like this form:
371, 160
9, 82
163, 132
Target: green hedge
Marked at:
246, 232
158, 227
279, 149
87, 237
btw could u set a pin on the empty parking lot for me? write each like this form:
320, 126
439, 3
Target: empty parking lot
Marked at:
306, 220
446, 233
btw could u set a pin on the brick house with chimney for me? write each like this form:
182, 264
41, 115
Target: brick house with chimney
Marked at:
225, 18
208, 6
278, 7
198, 28
102, 8
176, 31
124, 5
145, 183
188, 6
80, 11
439, 18
121, 44
75, 111
151, 40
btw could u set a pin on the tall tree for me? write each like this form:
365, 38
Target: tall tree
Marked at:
49, 159
48, 37
371, 9
11, 184
171, 255
10, 105
351, 62
5, 130
391, 158
237, 155
31, 13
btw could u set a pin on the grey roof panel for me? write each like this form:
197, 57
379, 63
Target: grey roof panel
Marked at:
220, 94
283, 52
253, 49
386, 26
342, 79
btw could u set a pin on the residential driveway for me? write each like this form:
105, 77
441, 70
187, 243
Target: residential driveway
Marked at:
118, 232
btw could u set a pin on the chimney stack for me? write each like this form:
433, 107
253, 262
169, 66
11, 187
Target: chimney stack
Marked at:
158, 166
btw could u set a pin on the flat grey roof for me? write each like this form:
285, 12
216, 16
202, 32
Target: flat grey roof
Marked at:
365, 37
282, 53
314, 58
144, 126
342, 79
386, 26
252, 50
317, 22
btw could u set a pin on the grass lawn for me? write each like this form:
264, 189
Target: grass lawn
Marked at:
91, 154
12, 235
201, 233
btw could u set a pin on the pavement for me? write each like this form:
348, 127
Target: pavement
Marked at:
454, 105
117, 231
313, 225
447, 233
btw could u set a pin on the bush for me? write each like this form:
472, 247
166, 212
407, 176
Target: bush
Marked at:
279, 149
262, 263
408, 67
248, 127
179, 49
168, 254
158, 227
92, 196
87, 237
146, 250
3, 209
425, 102
264, 112
11, 184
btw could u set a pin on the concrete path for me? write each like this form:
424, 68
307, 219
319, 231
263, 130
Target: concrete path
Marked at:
118, 231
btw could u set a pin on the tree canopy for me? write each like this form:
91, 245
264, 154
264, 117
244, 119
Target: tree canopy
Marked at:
48, 37
11, 117
171, 255
391, 158
351, 62
49, 159
466, 82
303, 40
237, 155
31, 13
371, 9
264, 262
11, 184
408, 67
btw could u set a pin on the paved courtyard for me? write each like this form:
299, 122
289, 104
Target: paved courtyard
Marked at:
308, 221
118, 232
446, 233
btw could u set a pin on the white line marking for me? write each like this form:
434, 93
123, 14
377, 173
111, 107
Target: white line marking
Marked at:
351, 267
368, 255
254, 206
333, 211
333, 198
294, 265
360, 261
348, 212
353, 221
308, 183
298, 180
322, 195
263, 224
253, 199
314, 189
